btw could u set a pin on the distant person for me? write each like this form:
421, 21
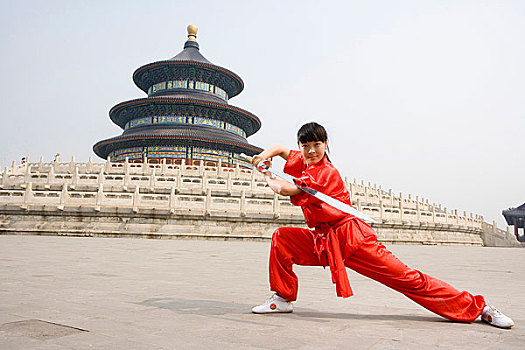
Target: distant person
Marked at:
57, 158
341, 240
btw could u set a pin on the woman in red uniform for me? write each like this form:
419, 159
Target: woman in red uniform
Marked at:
340, 240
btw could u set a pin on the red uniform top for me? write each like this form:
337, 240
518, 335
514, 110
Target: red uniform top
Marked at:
323, 177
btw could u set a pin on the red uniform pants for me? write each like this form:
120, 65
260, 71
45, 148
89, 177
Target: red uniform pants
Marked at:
364, 254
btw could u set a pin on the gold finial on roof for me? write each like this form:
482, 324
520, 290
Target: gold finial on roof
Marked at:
192, 32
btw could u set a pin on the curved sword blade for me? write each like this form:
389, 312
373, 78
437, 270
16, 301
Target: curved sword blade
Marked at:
319, 195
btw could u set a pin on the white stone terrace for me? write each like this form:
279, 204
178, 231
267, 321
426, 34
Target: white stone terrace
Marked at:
163, 186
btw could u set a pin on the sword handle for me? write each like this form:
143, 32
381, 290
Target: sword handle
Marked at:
264, 164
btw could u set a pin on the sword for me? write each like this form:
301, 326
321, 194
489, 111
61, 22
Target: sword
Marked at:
319, 195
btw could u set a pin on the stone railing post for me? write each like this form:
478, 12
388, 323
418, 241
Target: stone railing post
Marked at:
418, 209
229, 182
27, 173
64, 196
163, 168
127, 175
107, 166
381, 209
179, 180
204, 182
75, 176
136, 198
51, 175
72, 165
237, 171
276, 206
207, 210
5, 177
252, 181
173, 199
41, 164
201, 167
28, 194
101, 176
401, 206
152, 176
90, 166
100, 194
243, 203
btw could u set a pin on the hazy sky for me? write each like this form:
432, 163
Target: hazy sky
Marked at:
423, 97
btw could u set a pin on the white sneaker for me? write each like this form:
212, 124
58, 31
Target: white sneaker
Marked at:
275, 304
495, 318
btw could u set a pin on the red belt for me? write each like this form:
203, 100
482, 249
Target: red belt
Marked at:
325, 240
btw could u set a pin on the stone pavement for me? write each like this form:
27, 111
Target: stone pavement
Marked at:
103, 293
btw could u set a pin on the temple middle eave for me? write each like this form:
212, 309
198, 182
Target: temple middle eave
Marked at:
124, 112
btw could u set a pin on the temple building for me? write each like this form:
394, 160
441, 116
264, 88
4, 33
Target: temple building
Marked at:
516, 217
186, 115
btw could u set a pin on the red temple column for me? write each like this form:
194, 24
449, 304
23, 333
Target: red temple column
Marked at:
516, 229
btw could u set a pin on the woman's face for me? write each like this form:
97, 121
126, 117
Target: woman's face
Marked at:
313, 151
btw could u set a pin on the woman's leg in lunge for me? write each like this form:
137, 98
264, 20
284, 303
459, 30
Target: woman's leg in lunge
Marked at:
290, 245
373, 260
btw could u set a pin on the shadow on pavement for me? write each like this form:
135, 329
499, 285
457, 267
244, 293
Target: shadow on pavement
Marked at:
197, 307
298, 313
220, 308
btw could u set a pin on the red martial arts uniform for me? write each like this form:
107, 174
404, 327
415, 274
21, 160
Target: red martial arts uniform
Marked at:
341, 240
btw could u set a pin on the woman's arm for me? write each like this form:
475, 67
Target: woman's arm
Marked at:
276, 150
277, 185
281, 187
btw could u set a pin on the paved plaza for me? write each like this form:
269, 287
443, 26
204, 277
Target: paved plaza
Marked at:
104, 293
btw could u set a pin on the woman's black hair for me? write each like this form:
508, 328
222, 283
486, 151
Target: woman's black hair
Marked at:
312, 132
